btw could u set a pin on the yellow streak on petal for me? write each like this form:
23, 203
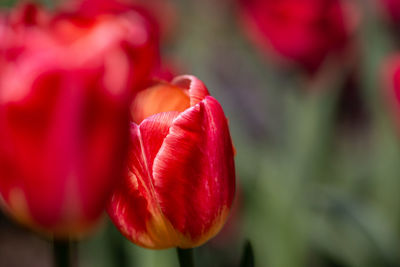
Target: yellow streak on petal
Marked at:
18, 206
217, 225
161, 234
18, 209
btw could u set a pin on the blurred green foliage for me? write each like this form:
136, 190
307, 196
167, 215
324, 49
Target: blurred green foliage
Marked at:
7, 3
10, 3
317, 191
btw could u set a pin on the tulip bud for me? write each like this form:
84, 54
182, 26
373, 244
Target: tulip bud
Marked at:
65, 90
180, 182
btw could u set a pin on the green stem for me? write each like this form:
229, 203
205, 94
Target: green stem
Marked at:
64, 253
117, 247
185, 256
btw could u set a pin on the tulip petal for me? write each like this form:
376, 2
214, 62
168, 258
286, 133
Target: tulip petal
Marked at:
133, 207
193, 173
197, 90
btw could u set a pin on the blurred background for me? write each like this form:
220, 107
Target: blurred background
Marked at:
318, 144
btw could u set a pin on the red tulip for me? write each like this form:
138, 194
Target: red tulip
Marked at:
141, 44
65, 90
393, 9
180, 181
162, 11
303, 32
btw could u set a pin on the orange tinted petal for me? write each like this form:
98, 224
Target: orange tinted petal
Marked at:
162, 97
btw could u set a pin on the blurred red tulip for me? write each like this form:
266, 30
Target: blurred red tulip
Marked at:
163, 12
65, 90
303, 32
141, 44
392, 8
180, 182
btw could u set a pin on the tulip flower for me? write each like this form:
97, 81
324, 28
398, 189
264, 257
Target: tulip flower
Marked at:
301, 32
392, 7
65, 90
141, 42
162, 11
180, 182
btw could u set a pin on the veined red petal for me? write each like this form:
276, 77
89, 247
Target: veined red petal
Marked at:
193, 173
134, 207
197, 90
